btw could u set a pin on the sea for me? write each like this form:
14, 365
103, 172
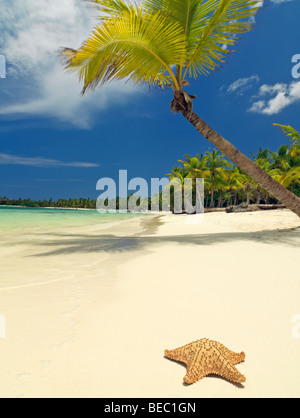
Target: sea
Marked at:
40, 245
26, 220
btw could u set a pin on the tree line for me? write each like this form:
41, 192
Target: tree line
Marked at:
225, 183
60, 203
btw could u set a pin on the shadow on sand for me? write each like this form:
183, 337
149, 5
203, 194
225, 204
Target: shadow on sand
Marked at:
72, 244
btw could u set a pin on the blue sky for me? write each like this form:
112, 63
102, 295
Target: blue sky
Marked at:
54, 143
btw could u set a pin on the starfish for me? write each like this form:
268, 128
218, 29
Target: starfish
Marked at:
204, 357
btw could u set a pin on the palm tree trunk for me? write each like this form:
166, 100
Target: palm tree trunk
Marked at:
248, 194
212, 201
286, 197
258, 198
207, 200
220, 203
229, 201
235, 198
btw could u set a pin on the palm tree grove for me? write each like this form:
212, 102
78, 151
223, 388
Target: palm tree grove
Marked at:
164, 43
228, 185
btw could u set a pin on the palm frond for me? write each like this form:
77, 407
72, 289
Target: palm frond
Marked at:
290, 132
192, 15
295, 151
292, 176
159, 42
230, 19
111, 7
136, 44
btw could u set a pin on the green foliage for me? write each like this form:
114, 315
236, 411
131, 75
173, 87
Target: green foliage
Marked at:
226, 184
290, 132
159, 42
60, 203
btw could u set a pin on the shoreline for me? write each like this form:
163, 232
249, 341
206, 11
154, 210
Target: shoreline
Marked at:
113, 301
228, 209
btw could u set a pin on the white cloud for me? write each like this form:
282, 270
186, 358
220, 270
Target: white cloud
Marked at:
241, 85
280, 1
9, 159
32, 32
261, 2
57, 95
273, 99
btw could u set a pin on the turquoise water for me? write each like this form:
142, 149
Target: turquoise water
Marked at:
29, 219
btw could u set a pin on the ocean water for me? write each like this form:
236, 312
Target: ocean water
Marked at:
26, 220
41, 246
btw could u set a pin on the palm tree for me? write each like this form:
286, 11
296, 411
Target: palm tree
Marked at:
263, 160
221, 185
194, 165
289, 154
247, 185
263, 154
179, 174
286, 158
282, 159
163, 43
194, 168
234, 183
215, 163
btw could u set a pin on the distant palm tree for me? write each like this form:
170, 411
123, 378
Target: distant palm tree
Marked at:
234, 182
248, 184
163, 43
214, 163
282, 158
262, 159
221, 185
263, 154
286, 158
194, 168
290, 153
178, 172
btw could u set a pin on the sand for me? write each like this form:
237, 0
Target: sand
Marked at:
90, 314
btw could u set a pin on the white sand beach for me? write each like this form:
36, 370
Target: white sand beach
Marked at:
89, 313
